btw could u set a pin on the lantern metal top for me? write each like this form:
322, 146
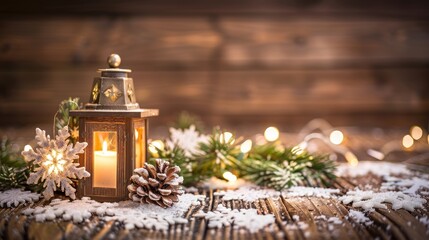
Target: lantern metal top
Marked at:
114, 61
113, 90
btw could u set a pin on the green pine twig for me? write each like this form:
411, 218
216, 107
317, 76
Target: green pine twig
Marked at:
63, 118
13, 169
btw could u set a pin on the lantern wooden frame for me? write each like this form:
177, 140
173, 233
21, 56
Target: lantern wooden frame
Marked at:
124, 124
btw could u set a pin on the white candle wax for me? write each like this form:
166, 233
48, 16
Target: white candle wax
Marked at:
104, 169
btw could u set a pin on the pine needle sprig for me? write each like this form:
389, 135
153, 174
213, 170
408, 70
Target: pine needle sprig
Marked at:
13, 169
270, 165
268, 174
218, 155
63, 118
273, 166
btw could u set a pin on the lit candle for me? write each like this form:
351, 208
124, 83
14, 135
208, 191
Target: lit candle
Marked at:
105, 168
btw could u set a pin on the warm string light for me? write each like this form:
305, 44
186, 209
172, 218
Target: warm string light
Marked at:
336, 137
348, 155
246, 146
230, 177
416, 132
351, 158
225, 137
271, 134
154, 145
407, 141
299, 149
27, 148
411, 141
375, 154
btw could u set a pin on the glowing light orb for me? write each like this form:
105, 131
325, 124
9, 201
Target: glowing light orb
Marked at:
230, 177
27, 148
154, 145
336, 137
416, 132
246, 146
351, 158
407, 141
271, 134
225, 137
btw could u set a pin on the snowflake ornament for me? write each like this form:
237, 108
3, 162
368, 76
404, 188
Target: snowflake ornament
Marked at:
15, 197
53, 162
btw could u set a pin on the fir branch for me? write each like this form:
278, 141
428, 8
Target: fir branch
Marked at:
13, 169
279, 168
63, 118
268, 165
216, 156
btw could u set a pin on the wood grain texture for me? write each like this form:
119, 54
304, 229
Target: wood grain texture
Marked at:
387, 223
235, 63
204, 43
309, 8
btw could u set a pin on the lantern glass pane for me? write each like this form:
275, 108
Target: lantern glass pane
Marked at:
105, 159
140, 146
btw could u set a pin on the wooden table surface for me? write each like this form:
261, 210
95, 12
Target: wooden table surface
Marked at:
387, 223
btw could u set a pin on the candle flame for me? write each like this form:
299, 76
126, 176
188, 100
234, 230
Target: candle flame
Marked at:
104, 147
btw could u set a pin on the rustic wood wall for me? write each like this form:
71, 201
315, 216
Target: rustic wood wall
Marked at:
235, 63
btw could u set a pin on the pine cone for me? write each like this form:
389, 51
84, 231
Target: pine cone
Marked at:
158, 185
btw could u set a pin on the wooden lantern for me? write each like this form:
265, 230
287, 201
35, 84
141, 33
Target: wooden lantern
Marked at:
115, 129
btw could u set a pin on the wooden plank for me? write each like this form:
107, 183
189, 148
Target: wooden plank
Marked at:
339, 90
203, 43
16, 227
24, 103
310, 8
284, 43
45, 230
394, 97
79, 41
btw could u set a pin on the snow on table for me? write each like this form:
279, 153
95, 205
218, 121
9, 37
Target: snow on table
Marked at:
395, 205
